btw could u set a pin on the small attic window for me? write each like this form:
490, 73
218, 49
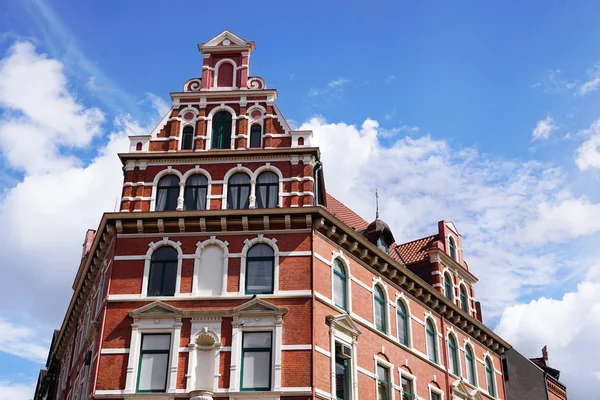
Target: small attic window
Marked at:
383, 245
300, 141
452, 248
138, 146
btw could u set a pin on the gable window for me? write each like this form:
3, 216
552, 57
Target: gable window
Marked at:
260, 266
452, 247
489, 373
431, 341
383, 383
255, 136
464, 302
407, 389
163, 272
267, 190
221, 130
194, 195
471, 377
382, 244
154, 363
167, 193
187, 139
448, 286
238, 191
256, 360
342, 372
380, 317
339, 284
453, 355
402, 317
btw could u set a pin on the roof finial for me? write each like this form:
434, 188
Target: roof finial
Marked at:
376, 204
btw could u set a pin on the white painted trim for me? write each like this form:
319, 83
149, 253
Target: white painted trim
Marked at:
436, 391
248, 243
153, 246
293, 347
115, 351
216, 74
322, 351
221, 107
200, 246
295, 253
367, 373
282, 294
390, 368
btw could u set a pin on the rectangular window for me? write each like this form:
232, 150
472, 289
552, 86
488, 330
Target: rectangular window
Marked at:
383, 383
256, 360
407, 389
154, 363
342, 381
434, 396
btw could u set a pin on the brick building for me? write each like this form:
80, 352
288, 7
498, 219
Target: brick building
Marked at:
230, 272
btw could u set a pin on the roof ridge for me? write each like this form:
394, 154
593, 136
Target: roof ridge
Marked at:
416, 240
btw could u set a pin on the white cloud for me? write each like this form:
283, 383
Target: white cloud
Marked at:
494, 203
544, 128
390, 79
23, 342
593, 82
338, 82
16, 391
552, 82
588, 153
568, 326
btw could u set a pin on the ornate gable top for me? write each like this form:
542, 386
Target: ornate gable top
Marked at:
344, 322
156, 309
226, 41
258, 306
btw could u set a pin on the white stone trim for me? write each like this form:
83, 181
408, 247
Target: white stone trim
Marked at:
400, 297
221, 107
115, 351
405, 374
378, 282
390, 367
200, 246
215, 70
436, 391
228, 175
168, 171
321, 350
348, 281
153, 246
248, 243
293, 347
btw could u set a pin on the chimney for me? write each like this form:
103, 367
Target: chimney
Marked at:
478, 309
545, 354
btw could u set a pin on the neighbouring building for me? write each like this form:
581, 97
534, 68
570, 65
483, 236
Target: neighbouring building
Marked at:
230, 273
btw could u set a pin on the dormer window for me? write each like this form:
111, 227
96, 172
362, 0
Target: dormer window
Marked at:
452, 248
383, 245
187, 139
221, 130
256, 136
379, 233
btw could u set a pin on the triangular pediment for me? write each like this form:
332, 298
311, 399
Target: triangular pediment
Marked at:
154, 309
259, 307
344, 322
226, 38
461, 391
451, 225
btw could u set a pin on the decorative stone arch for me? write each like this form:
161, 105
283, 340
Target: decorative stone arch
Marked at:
487, 357
377, 281
169, 171
256, 121
185, 123
197, 171
152, 247
428, 316
451, 333
401, 297
248, 243
467, 343
216, 73
267, 168
339, 255
234, 170
200, 247
453, 275
209, 119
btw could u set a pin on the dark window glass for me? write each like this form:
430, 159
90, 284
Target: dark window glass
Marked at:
435, 396
491, 382
163, 272
407, 389
383, 245
470, 365
464, 301
194, 195
341, 379
402, 323
383, 383
453, 355
267, 190
255, 136
260, 266
188, 138
167, 193
452, 246
431, 341
380, 317
238, 191
339, 284
221, 130
448, 286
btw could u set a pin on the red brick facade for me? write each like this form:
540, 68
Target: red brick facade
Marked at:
212, 308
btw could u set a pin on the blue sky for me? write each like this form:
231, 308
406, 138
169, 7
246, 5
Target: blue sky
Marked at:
479, 112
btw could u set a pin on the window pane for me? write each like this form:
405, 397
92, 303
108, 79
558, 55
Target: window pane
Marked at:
407, 389
255, 136
379, 316
165, 253
435, 396
170, 279
431, 342
155, 279
156, 342
402, 329
257, 340
382, 373
153, 372
341, 379
257, 370
260, 250
259, 276
339, 291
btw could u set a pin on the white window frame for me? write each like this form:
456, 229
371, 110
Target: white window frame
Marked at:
342, 329
485, 358
169, 171
200, 246
346, 265
248, 244
436, 338
476, 385
433, 389
400, 297
196, 171
390, 367
405, 374
209, 119
386, 309
154, 246
449, 333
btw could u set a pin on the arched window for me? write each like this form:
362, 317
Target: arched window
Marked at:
256, 136
380, 317
221, 130
138, 146
238, 191
300, 141
431, 341
167, 193
489, 373
163, 272
464, 299
471, 377
448, 286
187, 139
339, 284
260, 267
453, 355
402, 317
225, 72
210, 271
194, 195
267, 190
452, 246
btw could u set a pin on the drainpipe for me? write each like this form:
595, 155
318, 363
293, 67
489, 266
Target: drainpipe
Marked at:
446, 357
312, 311
318, 166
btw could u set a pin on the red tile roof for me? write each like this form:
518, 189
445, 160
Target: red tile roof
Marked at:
346, 215
416, 250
